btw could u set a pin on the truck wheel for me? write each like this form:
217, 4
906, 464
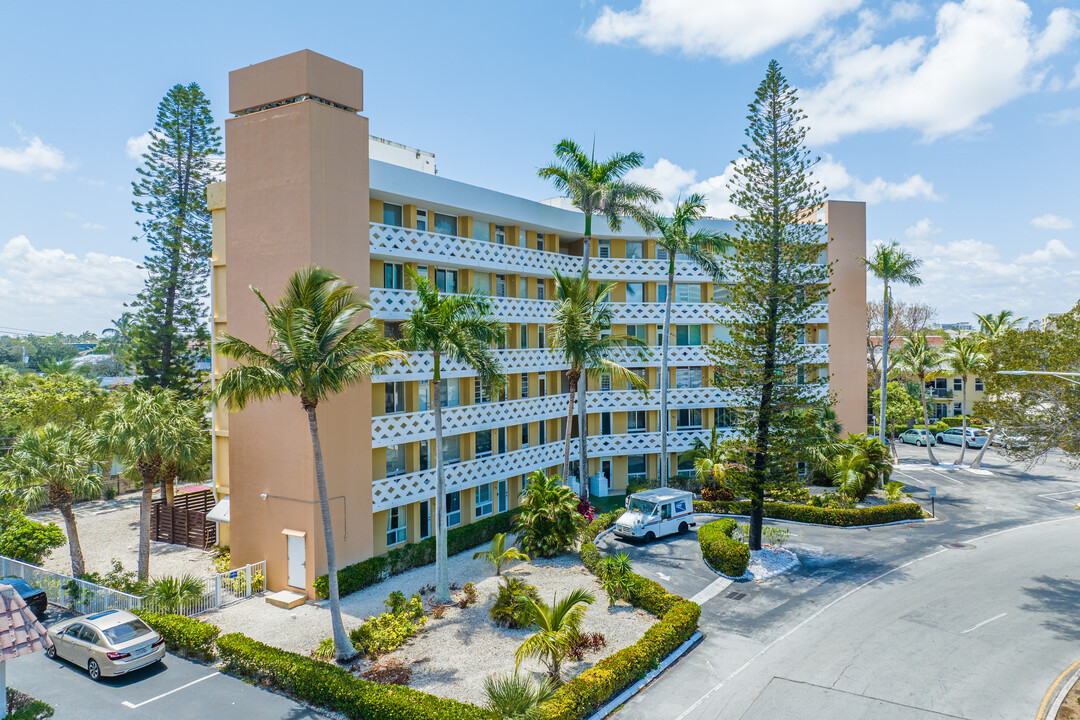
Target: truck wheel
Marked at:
682, 528
649, 536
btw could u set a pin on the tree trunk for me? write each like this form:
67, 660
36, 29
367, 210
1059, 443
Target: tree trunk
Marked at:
343, 647
149, 473
572, 380
926, 421
583, 386
77, 566
663, 469
884, 362
963, 420
442, 569
977, 462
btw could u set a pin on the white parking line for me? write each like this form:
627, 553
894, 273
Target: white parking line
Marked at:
710, 591
950, 479
1051, 496
145, 702
984, 622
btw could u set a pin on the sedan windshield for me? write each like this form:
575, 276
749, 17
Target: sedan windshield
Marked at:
120, 634
641, 506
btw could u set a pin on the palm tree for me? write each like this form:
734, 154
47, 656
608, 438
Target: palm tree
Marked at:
701, 246
710, 460
992, 329
459, 328
548, 522
964, 356
172, 594
56, 465
147, 430
577, 333
192, 463
516, 697
319, 347
861, 463
893, 265
556, 625
919, 359
498, 554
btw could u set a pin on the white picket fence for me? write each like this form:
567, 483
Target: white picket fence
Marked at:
83, 597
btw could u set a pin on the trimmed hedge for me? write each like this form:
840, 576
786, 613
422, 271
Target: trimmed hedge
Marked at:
368, 572
720, 550
678, 623
334, 688
855, 517
183, 635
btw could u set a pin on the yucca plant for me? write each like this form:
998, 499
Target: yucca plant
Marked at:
498, 554
325, 650
556, 627
171, 594
894, 491
516, 697
616, 577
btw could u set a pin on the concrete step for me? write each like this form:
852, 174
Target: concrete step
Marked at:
286, 599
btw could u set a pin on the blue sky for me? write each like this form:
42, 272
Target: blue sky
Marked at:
956, 121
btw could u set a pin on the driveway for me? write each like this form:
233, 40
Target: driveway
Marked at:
971, 616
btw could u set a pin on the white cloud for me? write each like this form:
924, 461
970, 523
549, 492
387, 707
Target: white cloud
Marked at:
984, 54
52, 290
94, 226
842, 185
1074, 83
33, 157
904, 11
1049, 221
922, 229
1055, 251
730, 29
1061, 117
665, 176
137, 146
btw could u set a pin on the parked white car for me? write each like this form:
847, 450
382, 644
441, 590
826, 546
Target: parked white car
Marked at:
656, 513
955, 436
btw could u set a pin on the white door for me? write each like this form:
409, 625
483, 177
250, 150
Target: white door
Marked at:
297, 562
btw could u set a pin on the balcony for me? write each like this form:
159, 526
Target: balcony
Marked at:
411, 427
391, 492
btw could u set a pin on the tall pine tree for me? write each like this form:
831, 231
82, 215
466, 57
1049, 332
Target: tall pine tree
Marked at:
776, 283
169, 331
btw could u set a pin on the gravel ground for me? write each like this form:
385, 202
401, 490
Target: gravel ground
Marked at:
435, 655
769, 561
109, 529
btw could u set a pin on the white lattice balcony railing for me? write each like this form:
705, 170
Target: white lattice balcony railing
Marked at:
414, 426
519, 360
389, 242
391, 492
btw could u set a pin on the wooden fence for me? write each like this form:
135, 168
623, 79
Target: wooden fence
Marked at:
184, 523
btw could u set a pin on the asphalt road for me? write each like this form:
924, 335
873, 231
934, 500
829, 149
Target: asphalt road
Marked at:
892, 622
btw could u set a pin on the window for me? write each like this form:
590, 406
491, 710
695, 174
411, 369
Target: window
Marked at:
421, 271
723, 417
686, 469
979, 387
425, 519
500, 287
500, 236
524, 385
483, 501
451, 449
688, 377
540, 295
542, 439
483, 444
425, 396
445, 224
635, 467
446, 280
541, 340
605, 383
687, 334
661, 254
635, 249
635, 292
421, 219
481, 231
391, 214
450, 392
523, 336
502, 438
503, 499
392, 329
481, 392
453, 509
525, 435
958, 384
605, 423
958, 409
395, 397
689, 418
393, 276
721, 293
603, 248
395, 460
687, 292
661, 293
482, 283
635, 421
541, 383
660, 337
637, 331
424, 462
395, 526
540, 243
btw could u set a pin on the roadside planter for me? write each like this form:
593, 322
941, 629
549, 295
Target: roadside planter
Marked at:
656, 513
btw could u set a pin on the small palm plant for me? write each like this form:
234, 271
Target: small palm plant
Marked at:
894, 491
172, 594
498, 554
556, 627
616, 577
516, 697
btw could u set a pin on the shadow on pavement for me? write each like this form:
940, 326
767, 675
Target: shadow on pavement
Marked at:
1058, 598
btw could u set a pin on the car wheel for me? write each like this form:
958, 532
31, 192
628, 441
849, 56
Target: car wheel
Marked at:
94, 670
683, 527
649, 536
51, 652
918, 443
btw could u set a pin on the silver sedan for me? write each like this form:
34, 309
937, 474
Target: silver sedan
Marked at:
109, 643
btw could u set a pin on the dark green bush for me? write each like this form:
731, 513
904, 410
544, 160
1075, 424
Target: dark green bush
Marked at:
720, 550
855, 517
511, 608
389, 631
183, 635
23, 707
368, 572
334, 688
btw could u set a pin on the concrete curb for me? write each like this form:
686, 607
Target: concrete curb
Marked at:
1062, 696
821, 525
637, 687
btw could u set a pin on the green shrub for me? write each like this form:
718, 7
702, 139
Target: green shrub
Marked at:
716, 492
389, 631
511, 608
549, 521
853, 517
30, 542
183, 635
368, 572
334, 688
721, 551
23, 707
